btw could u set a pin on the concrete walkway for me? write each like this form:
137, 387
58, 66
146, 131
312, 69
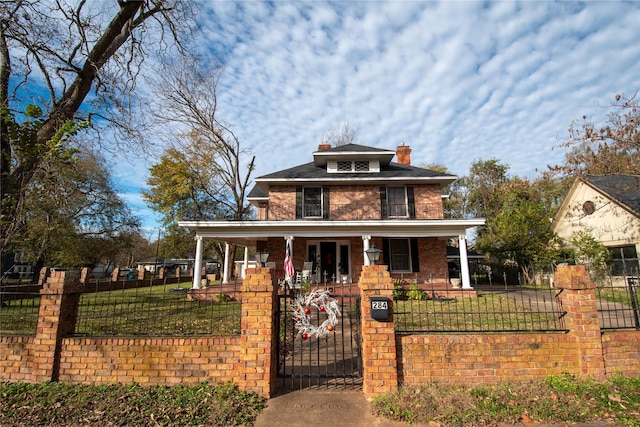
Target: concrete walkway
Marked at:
349, 408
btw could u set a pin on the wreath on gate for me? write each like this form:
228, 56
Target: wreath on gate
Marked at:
321, 300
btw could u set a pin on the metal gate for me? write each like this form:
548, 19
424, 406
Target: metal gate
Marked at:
332, 361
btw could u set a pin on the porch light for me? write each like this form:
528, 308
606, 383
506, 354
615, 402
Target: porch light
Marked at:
262, 257
373, 254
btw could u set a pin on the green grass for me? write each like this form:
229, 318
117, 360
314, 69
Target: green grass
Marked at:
153, 311
557, 399
127, 405
487, 312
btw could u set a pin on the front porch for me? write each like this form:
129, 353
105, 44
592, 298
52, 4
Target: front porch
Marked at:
334, 251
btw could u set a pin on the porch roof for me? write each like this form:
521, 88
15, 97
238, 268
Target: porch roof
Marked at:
247, 233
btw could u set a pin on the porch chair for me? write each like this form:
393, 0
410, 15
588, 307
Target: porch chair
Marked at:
307, 272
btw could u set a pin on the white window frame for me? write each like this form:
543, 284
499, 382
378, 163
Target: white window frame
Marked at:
394, 209
304, 202
393, 256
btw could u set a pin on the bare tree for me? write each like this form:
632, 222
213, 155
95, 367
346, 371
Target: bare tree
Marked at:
342, 135
58, 53
206, 155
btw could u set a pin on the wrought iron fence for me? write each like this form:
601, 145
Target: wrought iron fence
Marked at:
19, 307
493, 309
619, 302
151, 308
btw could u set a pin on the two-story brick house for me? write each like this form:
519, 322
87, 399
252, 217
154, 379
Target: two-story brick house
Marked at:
337, 206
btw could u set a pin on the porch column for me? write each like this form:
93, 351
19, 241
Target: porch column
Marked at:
197, 268
246, 262
225, 270
365, 247
464, 262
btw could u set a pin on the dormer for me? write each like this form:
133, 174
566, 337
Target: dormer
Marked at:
352, 158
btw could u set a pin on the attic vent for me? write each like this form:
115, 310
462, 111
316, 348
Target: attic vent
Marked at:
588, 207
347, 166
344, 166
361, 166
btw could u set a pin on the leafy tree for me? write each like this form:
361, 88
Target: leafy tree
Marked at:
587, 250
613, 148
485, 178
64, 51
520, 231
72, 208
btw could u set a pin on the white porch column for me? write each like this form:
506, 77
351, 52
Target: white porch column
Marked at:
197, 268
246, 262
464, 262
225, 270
365, 247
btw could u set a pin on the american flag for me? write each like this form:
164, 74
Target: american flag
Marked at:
289, 270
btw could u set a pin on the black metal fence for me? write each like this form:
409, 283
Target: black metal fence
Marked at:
19, 307
618, 304
153, 309
494, 309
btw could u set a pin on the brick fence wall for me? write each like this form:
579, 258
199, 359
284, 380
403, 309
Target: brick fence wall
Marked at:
249, 359
53, 355
492, 357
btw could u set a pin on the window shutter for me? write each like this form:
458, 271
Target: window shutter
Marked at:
386, 252
298, 202
415, 258
411, 202
325, 202
384, 211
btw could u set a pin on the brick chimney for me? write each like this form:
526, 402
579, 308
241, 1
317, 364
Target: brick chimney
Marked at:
403, 152
324, 147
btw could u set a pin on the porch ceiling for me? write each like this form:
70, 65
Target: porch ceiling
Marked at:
249, 232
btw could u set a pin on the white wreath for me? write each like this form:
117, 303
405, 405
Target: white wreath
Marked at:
320, 300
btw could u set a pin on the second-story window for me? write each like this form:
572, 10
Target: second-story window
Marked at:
312, 202
397, 201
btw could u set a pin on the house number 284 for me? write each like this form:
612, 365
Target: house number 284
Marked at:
379, 305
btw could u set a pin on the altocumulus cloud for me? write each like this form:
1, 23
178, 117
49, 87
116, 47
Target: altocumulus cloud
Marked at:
458, 81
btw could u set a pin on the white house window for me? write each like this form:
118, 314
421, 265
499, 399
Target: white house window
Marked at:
399, 255
397, 201
312, 202
624, 261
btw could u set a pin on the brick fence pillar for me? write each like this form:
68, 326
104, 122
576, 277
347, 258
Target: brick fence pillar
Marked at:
59, 298
258, 340
380, 367
578, 299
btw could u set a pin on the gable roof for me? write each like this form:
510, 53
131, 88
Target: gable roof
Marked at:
624, 189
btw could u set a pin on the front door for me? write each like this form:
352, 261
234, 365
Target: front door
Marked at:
328, 262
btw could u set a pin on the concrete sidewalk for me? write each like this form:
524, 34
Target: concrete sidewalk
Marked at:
349, 408
313, 407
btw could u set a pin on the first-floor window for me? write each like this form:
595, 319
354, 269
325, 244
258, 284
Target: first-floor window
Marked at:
624, 260
399, 255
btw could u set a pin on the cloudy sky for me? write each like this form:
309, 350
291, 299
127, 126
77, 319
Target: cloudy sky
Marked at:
457, 81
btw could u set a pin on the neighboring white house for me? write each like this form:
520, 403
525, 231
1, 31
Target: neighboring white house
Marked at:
609, 208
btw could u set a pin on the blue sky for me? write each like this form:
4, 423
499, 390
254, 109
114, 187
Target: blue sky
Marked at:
457, 81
